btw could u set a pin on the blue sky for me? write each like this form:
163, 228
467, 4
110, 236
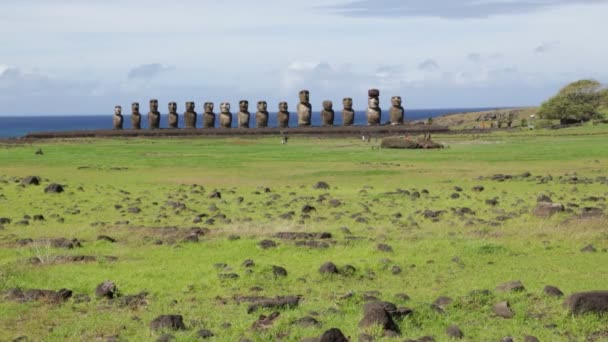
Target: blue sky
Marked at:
84, 57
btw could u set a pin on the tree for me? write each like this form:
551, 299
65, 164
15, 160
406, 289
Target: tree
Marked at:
577, 102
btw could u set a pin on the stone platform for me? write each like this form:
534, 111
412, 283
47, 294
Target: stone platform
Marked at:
375, 131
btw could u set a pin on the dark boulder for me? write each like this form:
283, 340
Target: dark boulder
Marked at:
31, 180
333, 335
321, 186
107, 289
454, 331
54, 188
171, 322
552, 291
583, 302
328, 268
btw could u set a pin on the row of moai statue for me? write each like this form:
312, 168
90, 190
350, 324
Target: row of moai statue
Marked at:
304, 109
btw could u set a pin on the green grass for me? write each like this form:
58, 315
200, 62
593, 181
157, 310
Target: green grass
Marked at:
181, 277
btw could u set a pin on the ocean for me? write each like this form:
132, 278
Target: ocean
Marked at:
14, 126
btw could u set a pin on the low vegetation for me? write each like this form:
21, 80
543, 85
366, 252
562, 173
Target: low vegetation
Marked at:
232, 239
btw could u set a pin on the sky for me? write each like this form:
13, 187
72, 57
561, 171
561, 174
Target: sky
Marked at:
67, 57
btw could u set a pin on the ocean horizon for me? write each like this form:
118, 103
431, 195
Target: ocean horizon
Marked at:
18, 126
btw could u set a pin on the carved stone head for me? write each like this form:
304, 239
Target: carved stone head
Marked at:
135, 107
347, 102
304, 96
190, 107
172, 107
243, 105
328, 105
262, 106
154, 105
208, 107
396, 101
225, 107
373, 103
283, 106
117, 110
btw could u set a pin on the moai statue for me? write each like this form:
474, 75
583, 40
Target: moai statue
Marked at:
374, 113
348, 114
190, 116
327, 114
261, 117
209, 116
154, 115
135, 116
243, 115
304, 109
283, 115
118, 119
225, 115
397, 113
173, 117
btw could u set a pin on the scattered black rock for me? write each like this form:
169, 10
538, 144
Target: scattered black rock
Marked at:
384, 248
107, 290
454, 331
266, 244
583, 302
215, 194
106, 238
307, 322
308, 208
321, 185
279, 271
544, 199
333, 335
302, 236
54, 188
172, 322
53, 297
512, 286
529, 338
552, 291
31, 180
328, 268
265, 322
204, 334
478, 188
65, 243
375, 313
274, 303
503, 310
588, 249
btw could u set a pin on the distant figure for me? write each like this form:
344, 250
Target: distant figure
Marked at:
190, 116
153, 115
39, 152
363, 138
173, 117
374, 113
225, 115
283, 115
327, 114
209, 116
284, 140
243, 114
261, 117
118, 119
304, 108
135, 116
348, 114
397, 113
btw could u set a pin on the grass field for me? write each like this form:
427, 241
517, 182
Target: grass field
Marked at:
169, 181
